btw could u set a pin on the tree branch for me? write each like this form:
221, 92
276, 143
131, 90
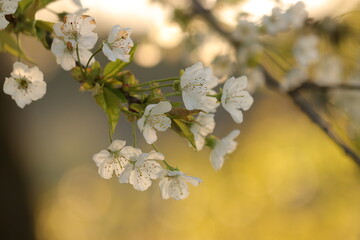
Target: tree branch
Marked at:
295, 94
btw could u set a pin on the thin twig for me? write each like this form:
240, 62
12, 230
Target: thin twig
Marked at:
295, 94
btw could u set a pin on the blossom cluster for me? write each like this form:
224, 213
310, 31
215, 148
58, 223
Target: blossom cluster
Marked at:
139, 169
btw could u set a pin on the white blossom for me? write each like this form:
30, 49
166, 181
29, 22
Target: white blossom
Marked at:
245, 32
154, 119
25, 84
66, 54
203, 125
296, 15
196, 83
118, 44
223, 147
235, 97
275, 23
329, 72
142, 168
306, 49
7, 7
174, 184
294, 78
111, 160
78, 30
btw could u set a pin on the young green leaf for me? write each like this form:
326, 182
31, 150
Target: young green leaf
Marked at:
112, 68
110, 103
184, 130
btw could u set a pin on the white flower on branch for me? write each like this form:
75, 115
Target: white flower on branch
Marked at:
196, 84
329, 72
174, 184
111, 160
245, 32
306, 49
235, 97
154, 119
142, 168
296, 15
25, 84
78, 30
66, 54
204, 125
275, 23
118, 44
7, 7
223, 147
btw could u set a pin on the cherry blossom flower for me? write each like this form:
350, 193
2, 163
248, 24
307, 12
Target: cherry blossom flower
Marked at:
204, 125
196, 83
66, 54
245, 31
119, 44
111, 160
154, 119
142, 168
78, 30
296, 15
173, 184
275, 23
223, 147
25, 84
235, 97
306, 49
7, 7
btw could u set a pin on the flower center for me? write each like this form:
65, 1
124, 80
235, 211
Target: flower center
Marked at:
23, 83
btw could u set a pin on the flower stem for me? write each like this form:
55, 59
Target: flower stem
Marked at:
18, 46
93, 55
134, 133
155, 87
177, 93
78, 58
157, 81
168, 166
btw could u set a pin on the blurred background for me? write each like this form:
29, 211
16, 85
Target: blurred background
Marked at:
286, 180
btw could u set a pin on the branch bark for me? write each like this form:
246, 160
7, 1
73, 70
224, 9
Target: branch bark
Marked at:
295, 94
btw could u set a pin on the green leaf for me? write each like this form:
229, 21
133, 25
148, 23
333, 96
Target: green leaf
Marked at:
184, 130
112, 68
184, 114
28, 8
137, 107
8, 44
110, 103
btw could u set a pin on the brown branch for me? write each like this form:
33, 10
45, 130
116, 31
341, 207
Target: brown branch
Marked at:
295, 94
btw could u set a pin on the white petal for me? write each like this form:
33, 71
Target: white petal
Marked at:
3, 22
140, 180
193, 180
88, 41
116, 145
149, 134
57, 29
164, 185
36, 90
106, 169
236, 114
152, 168
88, 25
141, 123
10, 86
108, 52
66, 61
130, 153
178, 189
216, 160
160, 123
19, 70
101, 156
153, 155
125, 175
161, 107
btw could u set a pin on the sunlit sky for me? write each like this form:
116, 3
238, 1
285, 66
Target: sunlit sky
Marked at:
150, 18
